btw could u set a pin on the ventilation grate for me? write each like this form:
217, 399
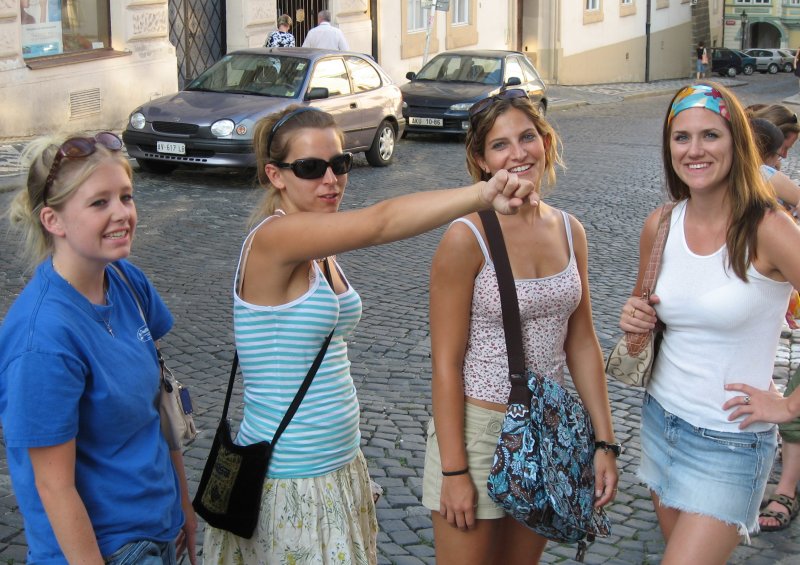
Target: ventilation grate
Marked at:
84, 103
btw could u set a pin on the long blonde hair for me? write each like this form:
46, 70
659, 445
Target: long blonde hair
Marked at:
25, 208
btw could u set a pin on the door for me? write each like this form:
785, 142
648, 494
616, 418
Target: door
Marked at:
303, 14
197, 30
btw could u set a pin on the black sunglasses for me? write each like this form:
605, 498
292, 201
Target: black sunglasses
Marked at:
483, 104
313, 168
79, 148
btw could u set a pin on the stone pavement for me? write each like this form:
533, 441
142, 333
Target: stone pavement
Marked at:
390, 350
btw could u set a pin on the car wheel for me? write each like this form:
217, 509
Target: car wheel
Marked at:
748, 70
382, 150
773, 68
156, 167
788, 68
542, 107
731, 72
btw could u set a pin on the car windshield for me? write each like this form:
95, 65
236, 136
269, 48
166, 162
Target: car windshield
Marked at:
463, 68
249, 73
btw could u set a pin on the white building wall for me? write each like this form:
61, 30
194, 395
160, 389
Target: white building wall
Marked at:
41, 100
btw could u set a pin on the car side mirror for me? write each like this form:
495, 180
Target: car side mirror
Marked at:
513, 81
317, 93
411, 75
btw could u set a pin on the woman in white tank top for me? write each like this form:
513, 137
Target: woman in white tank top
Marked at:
729, 264
317, 500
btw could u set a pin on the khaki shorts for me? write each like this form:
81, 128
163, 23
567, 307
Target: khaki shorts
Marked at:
481, 431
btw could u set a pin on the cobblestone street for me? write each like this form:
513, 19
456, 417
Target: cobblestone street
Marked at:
190, 229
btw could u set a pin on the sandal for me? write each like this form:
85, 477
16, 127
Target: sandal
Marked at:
784, 518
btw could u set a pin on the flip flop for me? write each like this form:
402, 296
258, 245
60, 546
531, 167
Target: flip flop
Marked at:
784, 518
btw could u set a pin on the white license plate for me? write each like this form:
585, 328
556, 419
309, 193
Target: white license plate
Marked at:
171, 147
426, 121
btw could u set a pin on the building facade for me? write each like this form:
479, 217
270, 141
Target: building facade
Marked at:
761, 23
81, 64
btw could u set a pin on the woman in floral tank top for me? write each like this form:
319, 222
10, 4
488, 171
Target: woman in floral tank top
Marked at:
548, 254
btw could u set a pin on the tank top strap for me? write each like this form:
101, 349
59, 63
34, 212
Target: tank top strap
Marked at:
238, 280
568, 228
478, 236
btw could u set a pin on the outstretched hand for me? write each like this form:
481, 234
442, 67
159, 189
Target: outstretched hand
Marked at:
757, 406
506, 192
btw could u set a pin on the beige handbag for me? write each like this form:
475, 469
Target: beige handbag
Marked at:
631, 360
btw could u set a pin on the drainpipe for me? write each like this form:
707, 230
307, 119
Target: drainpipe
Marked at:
647, 44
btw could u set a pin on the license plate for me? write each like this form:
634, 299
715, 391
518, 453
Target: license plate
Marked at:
426, 122
171, 147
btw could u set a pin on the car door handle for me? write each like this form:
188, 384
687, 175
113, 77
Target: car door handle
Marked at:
353, 105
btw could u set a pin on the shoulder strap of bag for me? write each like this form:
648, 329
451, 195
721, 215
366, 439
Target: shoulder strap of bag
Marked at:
512, 327
139, 306
298, 398
654, 264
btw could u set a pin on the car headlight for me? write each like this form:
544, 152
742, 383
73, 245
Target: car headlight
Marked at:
222, 128
405, 105
461, 106
137, 120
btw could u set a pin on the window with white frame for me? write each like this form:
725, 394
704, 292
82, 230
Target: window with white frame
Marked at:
417, 15
626, 2
460, 11
592, 4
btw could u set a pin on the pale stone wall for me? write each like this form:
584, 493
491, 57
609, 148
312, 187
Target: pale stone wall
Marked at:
37, 101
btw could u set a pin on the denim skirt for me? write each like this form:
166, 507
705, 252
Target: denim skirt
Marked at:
718, 474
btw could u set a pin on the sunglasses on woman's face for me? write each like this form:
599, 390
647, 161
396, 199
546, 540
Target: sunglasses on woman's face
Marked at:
483, 104
79, 148
313, 168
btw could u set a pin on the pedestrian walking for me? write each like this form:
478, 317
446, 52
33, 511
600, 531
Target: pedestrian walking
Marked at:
281, 37
702, 61
726, 275
317, 501
548, 253
325, 36
79, 372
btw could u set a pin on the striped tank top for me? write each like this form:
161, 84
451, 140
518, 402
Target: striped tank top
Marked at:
277, 345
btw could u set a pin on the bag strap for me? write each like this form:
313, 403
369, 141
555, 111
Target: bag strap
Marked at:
298, 398
654, 263
512, 327
136, 299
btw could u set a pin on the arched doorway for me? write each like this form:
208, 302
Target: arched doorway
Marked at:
764, 35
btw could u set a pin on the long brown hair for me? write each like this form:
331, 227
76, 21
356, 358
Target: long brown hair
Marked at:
748, 193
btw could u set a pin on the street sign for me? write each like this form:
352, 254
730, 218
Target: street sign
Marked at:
730, 22
442, 5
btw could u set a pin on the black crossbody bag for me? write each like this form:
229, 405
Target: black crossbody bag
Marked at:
229, 494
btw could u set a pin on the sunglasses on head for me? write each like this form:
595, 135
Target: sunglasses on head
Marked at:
79, 148
313, 168
483, 104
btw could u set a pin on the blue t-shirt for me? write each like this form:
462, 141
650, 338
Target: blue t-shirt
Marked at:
64, 376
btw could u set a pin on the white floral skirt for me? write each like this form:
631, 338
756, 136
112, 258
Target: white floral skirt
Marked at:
320, 520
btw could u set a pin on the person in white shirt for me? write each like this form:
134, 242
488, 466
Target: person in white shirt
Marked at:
325, 36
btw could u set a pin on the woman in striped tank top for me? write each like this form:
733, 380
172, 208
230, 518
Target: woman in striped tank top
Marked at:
317, 503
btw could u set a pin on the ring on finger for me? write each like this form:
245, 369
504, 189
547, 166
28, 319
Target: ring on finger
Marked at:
747, 399
633, 312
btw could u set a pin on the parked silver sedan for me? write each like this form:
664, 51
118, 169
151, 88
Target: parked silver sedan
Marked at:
772, 60
211, 122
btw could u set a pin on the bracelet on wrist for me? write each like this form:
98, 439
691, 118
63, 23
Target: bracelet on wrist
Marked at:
615, 448
455, 473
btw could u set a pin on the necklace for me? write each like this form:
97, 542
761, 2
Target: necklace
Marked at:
98, 315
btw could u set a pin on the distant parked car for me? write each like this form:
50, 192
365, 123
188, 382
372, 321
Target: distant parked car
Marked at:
772, 60
439, 96
211, 121
730, 62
